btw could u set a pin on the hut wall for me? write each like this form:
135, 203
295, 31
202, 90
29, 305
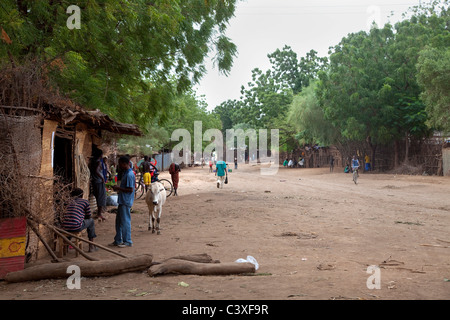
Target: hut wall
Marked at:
83, 151
46, 211
20, 154
47, 148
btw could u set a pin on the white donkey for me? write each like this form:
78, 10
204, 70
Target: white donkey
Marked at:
155, 199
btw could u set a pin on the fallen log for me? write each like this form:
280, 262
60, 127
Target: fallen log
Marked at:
179, 266
200, 257
87, 269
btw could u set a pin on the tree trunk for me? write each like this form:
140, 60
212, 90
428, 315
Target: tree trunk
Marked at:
373, 148
178, 266
88, 269
406, 148
396, 152
201, 257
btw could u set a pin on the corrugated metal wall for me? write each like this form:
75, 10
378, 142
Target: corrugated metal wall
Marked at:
163, 159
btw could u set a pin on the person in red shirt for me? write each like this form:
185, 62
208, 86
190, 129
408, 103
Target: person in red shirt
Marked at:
174, 171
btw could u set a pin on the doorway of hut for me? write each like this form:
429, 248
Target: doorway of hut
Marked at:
63, 160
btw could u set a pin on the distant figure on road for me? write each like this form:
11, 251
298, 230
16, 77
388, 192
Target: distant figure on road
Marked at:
368, 166
331, 164
221, 173
174, 171
355, 164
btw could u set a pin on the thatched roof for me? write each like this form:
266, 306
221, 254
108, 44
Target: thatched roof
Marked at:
23, 92
92, 118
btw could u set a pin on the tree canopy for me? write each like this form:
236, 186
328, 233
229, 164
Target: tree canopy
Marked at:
128, 58
189, 109
434, 77
376, 87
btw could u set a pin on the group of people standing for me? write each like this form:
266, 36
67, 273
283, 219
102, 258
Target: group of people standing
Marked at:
78, 215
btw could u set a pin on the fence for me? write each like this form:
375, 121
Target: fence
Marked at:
425, 156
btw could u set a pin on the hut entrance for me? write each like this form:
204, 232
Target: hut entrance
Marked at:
63, 155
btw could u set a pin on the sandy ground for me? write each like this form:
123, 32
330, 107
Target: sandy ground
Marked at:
313, 233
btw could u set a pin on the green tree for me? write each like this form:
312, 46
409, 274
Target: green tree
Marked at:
307, 117
190, 109
229, 113
264, 100
434, 77
293, 73
352, 91
129, 57
370, 91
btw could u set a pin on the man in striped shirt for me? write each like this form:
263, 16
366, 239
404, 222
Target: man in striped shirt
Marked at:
78, 217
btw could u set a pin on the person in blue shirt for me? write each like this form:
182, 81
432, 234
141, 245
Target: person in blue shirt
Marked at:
125, 201
355, 164
221, 173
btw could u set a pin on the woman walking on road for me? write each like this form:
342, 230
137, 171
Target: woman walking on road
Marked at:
174, 171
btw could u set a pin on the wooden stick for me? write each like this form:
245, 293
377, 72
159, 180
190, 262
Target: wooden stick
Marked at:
71, 243
56, 230
50, 251
91, 242
202, 258
434, 245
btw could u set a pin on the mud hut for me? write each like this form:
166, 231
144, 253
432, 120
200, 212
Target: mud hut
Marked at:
46, 141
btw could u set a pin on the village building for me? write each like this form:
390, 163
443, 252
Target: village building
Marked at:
46, 142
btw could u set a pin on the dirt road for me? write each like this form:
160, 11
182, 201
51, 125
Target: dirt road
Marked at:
313, 233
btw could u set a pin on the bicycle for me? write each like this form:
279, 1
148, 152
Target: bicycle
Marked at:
140, 186
167, 185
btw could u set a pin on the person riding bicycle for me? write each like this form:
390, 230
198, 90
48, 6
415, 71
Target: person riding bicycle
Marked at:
149, 171
355, 164
145, 169
154, 172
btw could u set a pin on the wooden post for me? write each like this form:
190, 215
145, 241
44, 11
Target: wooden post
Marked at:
91, 242
49, 250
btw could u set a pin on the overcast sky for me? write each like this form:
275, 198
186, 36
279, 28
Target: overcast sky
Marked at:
262, 26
